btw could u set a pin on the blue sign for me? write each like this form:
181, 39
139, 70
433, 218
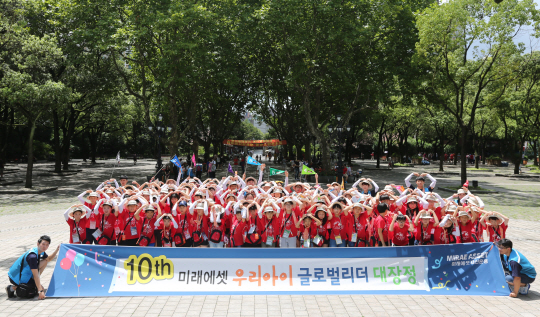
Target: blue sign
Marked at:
252, 161
458, 269
176, 161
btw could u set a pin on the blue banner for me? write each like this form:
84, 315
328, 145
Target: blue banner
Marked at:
252, 161
459, 269
176, 161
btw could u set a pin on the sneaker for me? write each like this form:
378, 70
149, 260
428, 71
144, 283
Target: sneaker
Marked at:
524, 290
10, 293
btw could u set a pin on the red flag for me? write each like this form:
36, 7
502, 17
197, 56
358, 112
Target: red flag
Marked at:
193, 159
466, 184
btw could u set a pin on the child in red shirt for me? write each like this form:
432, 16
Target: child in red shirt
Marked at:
269, 224
307, 230
357, 225
253, 236
106, 234
425, 231
199, 224
216, 227
238, 228
129, 235
77, 223
146, 224
168, 229
322, 215
182, 237
447, 231
495, 225
381, 225
287, 234
466, 227
399, 230
338, 223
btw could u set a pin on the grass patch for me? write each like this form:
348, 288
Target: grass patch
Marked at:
402, 164
534, 169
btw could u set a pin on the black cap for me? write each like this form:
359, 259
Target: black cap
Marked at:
384, 197
123, 177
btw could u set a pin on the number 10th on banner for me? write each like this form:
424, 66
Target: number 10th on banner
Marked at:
145, 274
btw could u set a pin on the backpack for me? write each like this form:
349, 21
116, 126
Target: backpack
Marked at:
215, 235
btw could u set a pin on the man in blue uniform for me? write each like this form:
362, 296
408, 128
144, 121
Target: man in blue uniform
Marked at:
28, 268
520, 272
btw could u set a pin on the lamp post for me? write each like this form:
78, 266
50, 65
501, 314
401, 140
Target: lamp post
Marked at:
340, 133
160, 131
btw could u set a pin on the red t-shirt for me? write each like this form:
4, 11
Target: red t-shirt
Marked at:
238, 229
322, 230
183, 221
381, 223
400, 236
339, 227
93, 220
79, 227
271, 227
467, 232
311, 230
443, 237
129, 222
252, 224
147, 228
498, 234
213, 228
167, 234
202, 227
358, 225
287, 223
106, 225
423, 234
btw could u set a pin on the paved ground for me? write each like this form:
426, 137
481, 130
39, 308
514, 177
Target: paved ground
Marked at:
24, 217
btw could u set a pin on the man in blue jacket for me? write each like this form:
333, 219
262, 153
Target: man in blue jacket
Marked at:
521, 273
29, 266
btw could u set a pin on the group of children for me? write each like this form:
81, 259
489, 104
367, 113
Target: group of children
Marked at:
246, 212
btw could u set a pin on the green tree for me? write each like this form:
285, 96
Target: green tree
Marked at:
27, 83
466, 45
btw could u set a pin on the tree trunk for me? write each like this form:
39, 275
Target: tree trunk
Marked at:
65, 155
441, 157
308, 151
206, 151
173, 121
476, 160
518, 158
30, 166
93, 147
483, 152
57, 148
463, 142
535, 151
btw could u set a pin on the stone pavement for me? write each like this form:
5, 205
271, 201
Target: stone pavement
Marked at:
24, 218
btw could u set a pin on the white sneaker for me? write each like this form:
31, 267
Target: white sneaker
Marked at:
524, 290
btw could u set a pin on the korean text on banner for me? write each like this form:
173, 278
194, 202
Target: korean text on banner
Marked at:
462, 269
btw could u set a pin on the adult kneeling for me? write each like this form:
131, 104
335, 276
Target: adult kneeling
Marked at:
24, 274
520, 272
